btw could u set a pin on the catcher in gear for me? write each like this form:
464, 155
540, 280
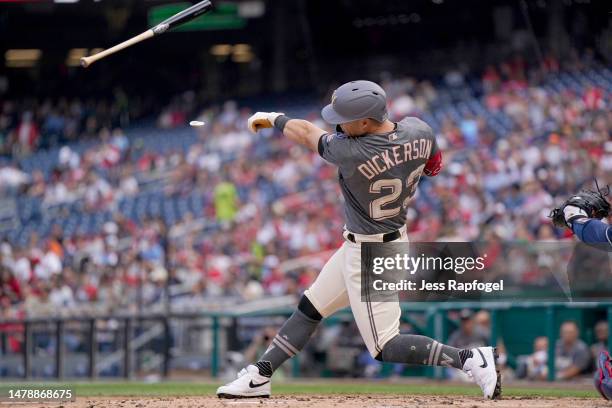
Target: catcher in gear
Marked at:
583, 213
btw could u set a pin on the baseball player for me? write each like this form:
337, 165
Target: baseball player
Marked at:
583, 214
379, 166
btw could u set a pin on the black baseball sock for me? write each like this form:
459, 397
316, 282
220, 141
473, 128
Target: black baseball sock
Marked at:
291, 338
422, 350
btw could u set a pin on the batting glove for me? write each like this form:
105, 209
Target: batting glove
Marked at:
262, 120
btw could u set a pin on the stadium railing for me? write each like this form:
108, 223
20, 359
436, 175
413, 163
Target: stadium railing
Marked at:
428, 318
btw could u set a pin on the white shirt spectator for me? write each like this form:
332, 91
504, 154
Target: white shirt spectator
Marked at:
23, 269
68, 158
49, 265
129, 186
62, 297
11, 177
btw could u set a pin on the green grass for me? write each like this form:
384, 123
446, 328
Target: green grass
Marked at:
138, 389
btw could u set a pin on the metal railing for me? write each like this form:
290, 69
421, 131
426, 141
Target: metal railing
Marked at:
431, 324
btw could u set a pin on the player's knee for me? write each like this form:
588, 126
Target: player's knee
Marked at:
386, 348
305, 306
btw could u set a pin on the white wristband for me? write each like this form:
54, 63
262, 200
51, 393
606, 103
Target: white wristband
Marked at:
570, 212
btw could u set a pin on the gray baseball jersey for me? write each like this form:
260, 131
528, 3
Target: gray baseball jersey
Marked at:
379, 173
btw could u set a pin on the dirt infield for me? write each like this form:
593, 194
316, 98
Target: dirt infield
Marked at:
328, 401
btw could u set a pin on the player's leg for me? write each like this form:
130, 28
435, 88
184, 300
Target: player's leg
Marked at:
254, 380
291, 338
378, 323
480, 362
326, 295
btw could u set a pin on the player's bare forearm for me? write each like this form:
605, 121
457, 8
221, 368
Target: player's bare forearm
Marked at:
303, 132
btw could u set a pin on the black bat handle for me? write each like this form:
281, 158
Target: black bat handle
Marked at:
184, 16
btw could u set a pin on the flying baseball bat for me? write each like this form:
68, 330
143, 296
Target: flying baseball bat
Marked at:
174, 21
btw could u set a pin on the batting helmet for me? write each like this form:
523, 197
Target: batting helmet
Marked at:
356, 100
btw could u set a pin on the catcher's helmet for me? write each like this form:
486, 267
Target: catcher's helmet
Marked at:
603, 375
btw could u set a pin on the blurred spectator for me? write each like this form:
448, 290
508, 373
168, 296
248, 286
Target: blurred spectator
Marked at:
26, 134
535, 366
258, 345
601, 337
468, 335
347, 354
226, 201
482, 323
572, 356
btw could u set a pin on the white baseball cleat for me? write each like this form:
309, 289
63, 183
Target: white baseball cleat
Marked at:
249, 384
482, 367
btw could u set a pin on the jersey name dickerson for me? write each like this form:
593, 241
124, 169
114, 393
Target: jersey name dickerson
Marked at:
385, 160
379, 173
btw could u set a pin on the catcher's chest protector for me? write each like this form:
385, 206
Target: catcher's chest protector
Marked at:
603, 375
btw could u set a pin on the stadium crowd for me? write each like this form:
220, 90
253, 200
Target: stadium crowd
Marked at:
267, 202
30, 124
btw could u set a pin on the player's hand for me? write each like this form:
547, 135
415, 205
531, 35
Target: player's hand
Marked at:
586, 203
564, 216
262, 120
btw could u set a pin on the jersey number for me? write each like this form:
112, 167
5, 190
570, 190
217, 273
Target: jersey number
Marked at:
395, 185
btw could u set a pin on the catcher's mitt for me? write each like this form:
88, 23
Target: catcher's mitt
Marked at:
593, 203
